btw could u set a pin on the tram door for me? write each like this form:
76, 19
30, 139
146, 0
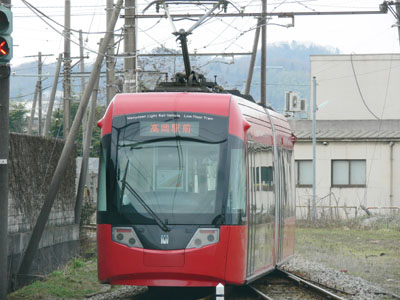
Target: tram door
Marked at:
252, 207
281, 201
261, 207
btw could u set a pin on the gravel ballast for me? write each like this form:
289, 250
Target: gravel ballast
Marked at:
356, 288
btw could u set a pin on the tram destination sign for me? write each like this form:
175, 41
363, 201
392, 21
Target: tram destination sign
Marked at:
169, 128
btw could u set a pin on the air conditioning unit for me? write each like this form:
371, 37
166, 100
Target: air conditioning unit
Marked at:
294, 103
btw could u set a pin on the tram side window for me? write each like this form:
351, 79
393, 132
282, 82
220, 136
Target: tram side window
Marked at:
102, 198
237, 186
267, 178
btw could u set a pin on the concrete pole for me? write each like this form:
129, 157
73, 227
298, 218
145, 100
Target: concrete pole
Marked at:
110, 60
40, 93
47, 124
253, 58
263, 84
82, 69
130, 47
30, 252
398, 16
67, 68
33, 109
86, 154
314, 142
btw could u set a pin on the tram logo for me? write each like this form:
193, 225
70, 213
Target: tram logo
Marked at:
164, 239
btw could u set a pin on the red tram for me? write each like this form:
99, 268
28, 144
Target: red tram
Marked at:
195, 189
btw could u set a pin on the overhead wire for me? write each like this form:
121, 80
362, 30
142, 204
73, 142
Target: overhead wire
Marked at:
61, 33
359, 89
34, 9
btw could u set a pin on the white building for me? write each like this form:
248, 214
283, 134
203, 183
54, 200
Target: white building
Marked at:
358, 135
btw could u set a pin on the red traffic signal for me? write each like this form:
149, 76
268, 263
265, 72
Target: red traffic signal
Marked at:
4, 48
6, 27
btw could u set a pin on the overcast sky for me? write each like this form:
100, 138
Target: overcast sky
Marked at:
350, 34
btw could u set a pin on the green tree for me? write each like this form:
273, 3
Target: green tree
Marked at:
17, 117
57, 124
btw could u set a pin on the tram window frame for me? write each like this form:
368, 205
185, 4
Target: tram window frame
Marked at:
298, 173
102, 181
351, 163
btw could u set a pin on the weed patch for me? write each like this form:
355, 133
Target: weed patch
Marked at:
76, 280
370, 254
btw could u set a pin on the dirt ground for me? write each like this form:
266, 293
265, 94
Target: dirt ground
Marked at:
369, 249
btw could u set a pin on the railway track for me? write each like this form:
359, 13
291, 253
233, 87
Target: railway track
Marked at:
283, 285
276, 286
172, 293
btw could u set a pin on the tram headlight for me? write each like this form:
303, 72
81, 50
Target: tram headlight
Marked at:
126, 236
204, 237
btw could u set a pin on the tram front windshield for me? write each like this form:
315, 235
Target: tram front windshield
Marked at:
168, 169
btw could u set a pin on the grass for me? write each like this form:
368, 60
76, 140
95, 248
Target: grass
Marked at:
372, 254
77, 279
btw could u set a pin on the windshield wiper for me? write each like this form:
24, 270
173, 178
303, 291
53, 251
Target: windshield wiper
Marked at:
124, 182
156, 218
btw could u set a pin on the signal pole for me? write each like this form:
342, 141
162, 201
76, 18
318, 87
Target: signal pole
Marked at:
4, 128
67, 68
5, 72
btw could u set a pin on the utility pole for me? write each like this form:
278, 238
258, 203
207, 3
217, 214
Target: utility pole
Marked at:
314, 141
130, 47
86, 154
67, 68
33, 109
5, 72
253, 58
82, 68
38, 95
40, 92
52, 97
29, 254
110, 60
263, 24
398, 16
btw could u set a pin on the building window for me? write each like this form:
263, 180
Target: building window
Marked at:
304, 173
349, 173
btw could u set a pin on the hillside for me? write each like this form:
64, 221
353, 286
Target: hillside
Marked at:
288, 70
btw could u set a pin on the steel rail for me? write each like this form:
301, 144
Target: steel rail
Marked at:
260, 293
311, 285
